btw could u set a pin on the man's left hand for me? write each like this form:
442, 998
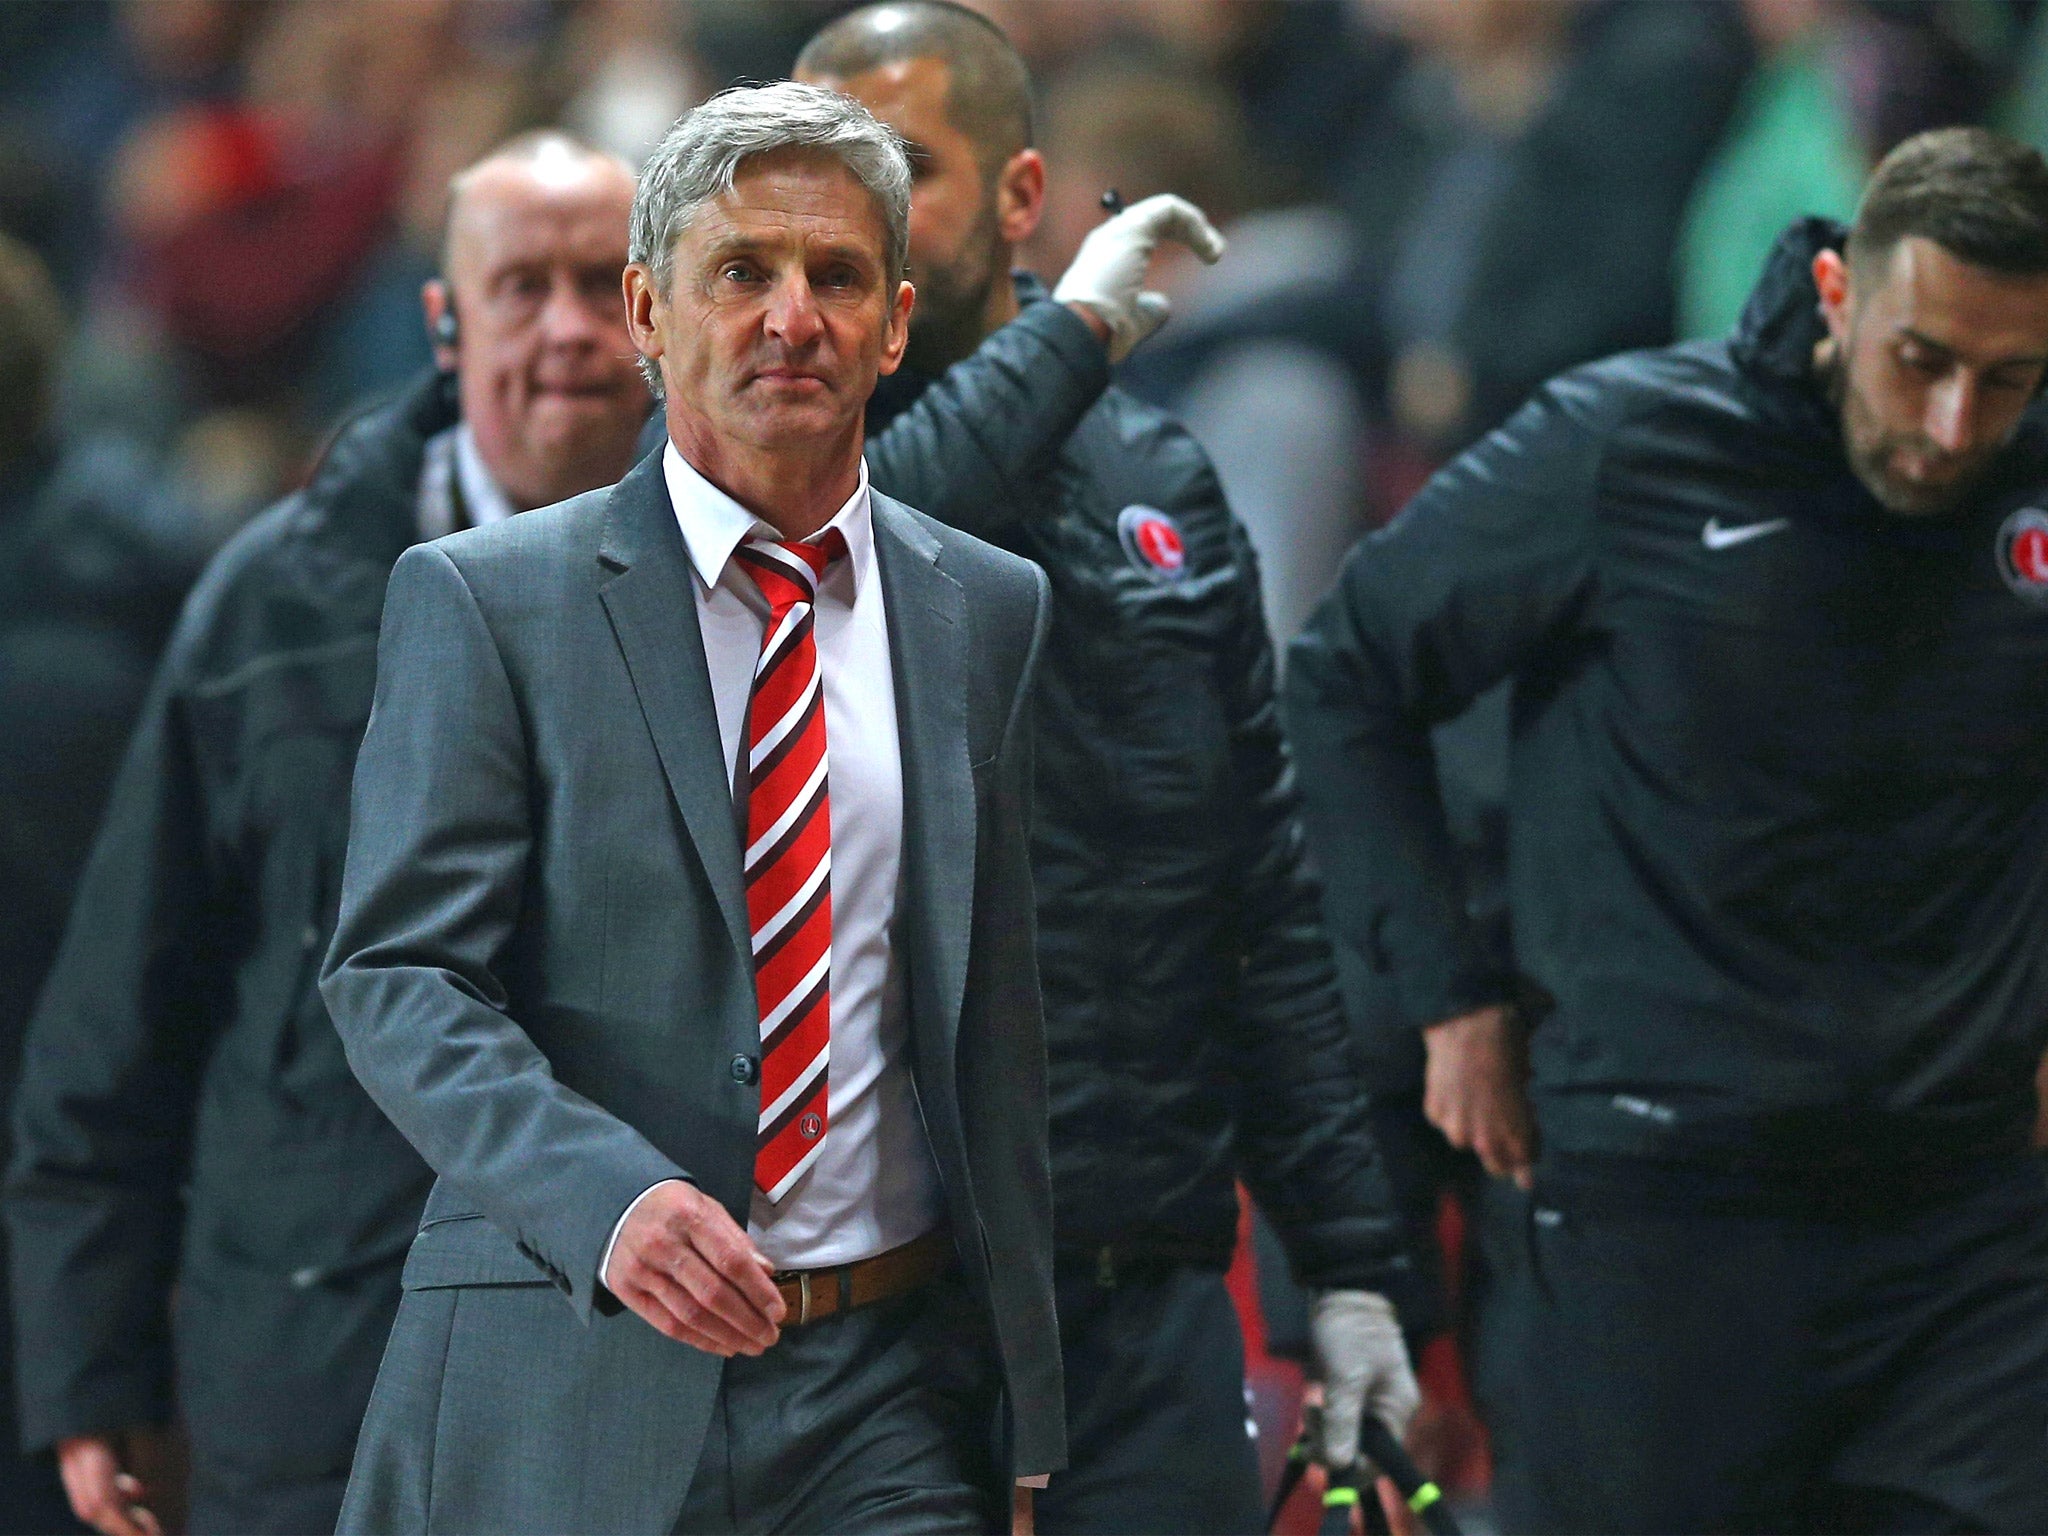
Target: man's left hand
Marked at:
1107, 275
1363, 1366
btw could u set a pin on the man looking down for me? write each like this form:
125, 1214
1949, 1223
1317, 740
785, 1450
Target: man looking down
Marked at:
1775, 609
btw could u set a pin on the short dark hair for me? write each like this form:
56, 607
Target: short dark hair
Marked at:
1978, 195
988, 89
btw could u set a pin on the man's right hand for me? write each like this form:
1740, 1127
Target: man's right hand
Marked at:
1473, 1090
687, 1268
125, 1484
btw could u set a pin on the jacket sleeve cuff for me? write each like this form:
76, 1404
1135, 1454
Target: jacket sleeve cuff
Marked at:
109, 1408
1067, 336
573, 1248
1454, 992
604, 1264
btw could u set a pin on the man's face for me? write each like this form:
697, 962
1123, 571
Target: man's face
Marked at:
1936, 360
957, 254
548, 377
781, 312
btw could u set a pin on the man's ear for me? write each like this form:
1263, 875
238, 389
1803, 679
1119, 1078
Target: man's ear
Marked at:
1020, 196
638, 284
896, 330
438, 302
1831, 277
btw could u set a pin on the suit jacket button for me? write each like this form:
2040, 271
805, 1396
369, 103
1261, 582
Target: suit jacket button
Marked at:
745, 1070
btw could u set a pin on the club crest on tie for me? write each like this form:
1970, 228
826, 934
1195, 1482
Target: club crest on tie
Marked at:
809, 1127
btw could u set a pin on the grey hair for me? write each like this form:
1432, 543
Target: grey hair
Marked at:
703, 153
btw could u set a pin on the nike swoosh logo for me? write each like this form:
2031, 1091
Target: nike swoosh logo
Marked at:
1714, 536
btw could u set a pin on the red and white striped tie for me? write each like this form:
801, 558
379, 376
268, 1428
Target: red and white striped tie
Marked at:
789, 862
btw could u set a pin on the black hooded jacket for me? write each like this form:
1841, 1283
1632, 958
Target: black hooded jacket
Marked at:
185, 1112
1192, 1023
1779, 779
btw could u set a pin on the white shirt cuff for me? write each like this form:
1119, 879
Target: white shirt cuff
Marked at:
1036, 1480
604, 1264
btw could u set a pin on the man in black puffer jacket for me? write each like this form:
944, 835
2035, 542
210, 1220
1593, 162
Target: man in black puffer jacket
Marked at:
186, 1122
1776, 613
1192, 1023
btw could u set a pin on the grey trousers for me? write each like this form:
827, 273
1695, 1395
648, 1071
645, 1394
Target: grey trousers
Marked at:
881, 1419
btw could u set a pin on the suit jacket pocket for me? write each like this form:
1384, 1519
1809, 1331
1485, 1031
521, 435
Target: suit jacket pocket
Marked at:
468, 1250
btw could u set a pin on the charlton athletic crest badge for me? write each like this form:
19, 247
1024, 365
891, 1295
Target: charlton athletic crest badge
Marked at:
2023, 554
1152, 543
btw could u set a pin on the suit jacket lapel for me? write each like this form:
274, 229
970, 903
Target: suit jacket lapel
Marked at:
652, 603
927, 650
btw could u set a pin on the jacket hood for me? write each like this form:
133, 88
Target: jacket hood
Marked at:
1773, 347
1781, 323
365, 485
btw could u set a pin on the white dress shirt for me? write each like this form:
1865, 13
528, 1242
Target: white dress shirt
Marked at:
457, 489
874, 1185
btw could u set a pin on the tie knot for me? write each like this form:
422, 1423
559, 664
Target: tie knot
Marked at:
788, 571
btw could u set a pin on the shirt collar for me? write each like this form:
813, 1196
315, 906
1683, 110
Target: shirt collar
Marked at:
714, 525
483, 499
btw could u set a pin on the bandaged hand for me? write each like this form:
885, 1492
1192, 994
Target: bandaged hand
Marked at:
1108, 273
1363, 1365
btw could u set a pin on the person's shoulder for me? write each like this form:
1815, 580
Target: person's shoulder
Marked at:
975, 563
1658, 401
1614, 391
1136, 454
2020, 473
271, 586
2028, 448
522, 547
1125, 433
107, 520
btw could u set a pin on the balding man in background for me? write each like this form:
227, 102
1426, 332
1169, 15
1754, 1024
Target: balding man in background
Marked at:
186, 1118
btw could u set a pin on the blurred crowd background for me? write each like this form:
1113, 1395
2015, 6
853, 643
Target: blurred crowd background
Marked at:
216, 215
1434, 204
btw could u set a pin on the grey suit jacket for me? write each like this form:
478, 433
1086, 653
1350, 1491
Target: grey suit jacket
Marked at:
542, 974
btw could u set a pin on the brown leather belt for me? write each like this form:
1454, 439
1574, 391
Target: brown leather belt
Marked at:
811, 1294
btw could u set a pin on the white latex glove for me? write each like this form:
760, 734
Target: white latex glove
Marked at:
1364, 1369
1108, 272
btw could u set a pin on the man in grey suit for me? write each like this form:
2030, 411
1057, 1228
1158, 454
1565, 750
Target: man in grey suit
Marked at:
687, 931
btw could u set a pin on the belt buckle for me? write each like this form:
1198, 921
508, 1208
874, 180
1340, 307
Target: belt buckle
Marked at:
803, 1290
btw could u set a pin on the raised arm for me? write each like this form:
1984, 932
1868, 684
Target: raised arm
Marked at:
965, 450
